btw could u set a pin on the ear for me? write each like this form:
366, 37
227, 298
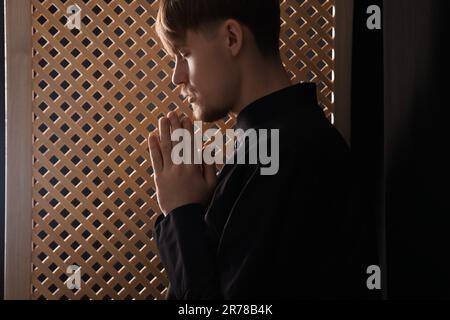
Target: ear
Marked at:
233, 36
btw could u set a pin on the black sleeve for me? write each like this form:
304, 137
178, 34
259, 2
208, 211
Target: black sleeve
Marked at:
186, 254
246, 243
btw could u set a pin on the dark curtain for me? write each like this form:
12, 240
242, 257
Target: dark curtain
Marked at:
367, 134
417, 148
400, 143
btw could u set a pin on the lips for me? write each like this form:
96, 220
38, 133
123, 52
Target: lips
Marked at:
189, 95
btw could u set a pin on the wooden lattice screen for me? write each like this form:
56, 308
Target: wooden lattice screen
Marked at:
97, 92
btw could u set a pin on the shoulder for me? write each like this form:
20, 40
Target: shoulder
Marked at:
308, 130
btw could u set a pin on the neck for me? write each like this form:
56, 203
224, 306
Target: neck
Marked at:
259, 79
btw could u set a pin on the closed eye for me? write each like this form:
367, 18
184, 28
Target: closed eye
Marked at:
184, 55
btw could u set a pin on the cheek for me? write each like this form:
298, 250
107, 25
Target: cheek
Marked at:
201, 71
207, 67
214, 79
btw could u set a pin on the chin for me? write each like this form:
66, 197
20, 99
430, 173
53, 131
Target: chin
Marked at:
208, 116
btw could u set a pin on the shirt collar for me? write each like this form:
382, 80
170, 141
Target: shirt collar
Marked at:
278, 102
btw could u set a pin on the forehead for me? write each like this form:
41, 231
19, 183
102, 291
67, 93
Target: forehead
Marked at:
191, 40
186, 41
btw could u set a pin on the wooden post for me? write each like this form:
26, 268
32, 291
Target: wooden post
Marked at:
18, 206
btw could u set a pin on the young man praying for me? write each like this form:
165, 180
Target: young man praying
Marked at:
241, 234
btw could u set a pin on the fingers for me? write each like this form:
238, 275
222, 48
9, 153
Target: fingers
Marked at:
161, 147
174, 121
155, 153
165, 140
189, 126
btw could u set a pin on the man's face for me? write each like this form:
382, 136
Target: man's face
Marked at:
208, 75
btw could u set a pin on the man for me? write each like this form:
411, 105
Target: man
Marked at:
243, 234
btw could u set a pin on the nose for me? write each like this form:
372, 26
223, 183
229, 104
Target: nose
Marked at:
180, 73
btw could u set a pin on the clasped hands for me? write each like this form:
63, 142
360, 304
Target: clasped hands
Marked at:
178, 184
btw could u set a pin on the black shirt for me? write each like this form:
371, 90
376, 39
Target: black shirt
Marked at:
288, 235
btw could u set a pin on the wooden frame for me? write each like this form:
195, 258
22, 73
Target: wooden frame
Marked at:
18, 80
19, 145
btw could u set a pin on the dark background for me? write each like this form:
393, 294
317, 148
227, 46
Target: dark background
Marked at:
417, 148
399, 142
367, 132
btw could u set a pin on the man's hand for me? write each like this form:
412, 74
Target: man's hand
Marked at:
178, 185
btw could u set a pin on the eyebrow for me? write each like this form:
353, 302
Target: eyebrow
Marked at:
176, 46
